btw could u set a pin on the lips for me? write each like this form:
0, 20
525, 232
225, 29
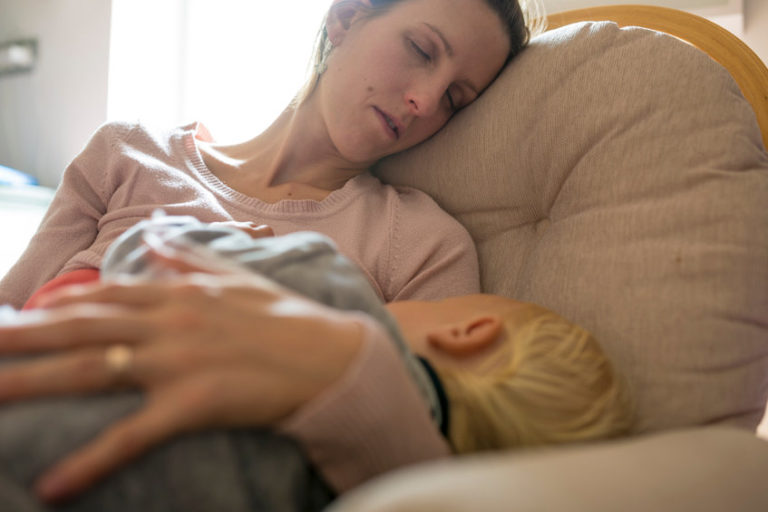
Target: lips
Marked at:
390, 124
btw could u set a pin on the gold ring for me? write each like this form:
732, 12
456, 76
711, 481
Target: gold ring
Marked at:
119, 360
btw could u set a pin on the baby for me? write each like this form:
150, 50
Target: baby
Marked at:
495, 372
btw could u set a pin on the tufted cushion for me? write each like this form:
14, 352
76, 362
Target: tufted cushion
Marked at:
617, 176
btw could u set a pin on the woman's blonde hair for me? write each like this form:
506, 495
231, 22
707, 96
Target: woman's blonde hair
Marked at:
549, 382
522, 19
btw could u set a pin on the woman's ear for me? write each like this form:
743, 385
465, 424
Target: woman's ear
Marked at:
340, 17
466, 338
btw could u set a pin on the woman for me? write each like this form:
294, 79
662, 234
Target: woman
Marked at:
381, 87
396, 73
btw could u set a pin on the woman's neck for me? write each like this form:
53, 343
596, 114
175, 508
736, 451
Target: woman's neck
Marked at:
294, 155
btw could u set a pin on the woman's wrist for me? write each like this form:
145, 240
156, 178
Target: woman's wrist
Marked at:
331, 341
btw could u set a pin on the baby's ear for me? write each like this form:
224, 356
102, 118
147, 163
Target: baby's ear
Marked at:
466, 338
341, 15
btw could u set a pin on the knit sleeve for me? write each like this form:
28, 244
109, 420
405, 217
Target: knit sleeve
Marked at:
71, 222
371, 421
433, 255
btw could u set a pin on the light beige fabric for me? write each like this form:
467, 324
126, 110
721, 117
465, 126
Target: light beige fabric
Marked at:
696, 470
617, 176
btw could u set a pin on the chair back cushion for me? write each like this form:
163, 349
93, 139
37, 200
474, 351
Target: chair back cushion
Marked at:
618, 177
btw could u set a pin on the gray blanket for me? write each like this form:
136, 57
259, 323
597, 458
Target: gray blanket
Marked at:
218, 471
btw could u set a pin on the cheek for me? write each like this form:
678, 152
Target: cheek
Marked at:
422, 129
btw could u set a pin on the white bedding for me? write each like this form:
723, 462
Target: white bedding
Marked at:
21, 210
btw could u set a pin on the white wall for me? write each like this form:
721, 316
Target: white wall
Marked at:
233, 65
756, 27
48, 114
751, 24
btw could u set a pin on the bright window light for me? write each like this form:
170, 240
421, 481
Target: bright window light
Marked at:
233, 65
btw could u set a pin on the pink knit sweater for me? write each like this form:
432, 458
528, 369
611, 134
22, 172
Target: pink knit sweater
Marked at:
408, 246
373, 419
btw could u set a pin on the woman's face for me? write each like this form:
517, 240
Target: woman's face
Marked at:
395, 79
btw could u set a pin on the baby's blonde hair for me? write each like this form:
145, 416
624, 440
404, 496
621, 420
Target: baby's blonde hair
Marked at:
549, 382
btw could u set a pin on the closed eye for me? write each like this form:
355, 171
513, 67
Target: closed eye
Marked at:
450, 101
457, 98
421, 53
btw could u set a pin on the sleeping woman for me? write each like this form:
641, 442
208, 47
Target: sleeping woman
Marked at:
389, 74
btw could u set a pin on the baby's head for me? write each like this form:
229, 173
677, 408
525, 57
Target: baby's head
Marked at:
515, 374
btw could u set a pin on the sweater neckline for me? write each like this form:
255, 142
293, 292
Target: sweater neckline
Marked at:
335, 198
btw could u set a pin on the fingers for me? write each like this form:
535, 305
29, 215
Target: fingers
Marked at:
130, 291
82, 371
126, 291
73, 327
118, 445
250, 228
179, 309
187, 406
261, 231
114, 367
184, 394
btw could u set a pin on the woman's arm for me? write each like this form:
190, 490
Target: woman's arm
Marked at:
371, 421
217, 351
70, 225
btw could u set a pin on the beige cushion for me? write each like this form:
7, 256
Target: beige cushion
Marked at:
617, 176
695, 470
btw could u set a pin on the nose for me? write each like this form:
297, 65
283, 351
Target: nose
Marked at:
424, 99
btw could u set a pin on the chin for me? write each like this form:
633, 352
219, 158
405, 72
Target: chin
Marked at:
356, 153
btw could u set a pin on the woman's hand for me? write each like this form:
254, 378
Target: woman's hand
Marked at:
251, 228
209, 351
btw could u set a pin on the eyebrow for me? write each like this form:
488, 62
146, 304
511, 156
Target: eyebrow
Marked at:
449, 51
448, 47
